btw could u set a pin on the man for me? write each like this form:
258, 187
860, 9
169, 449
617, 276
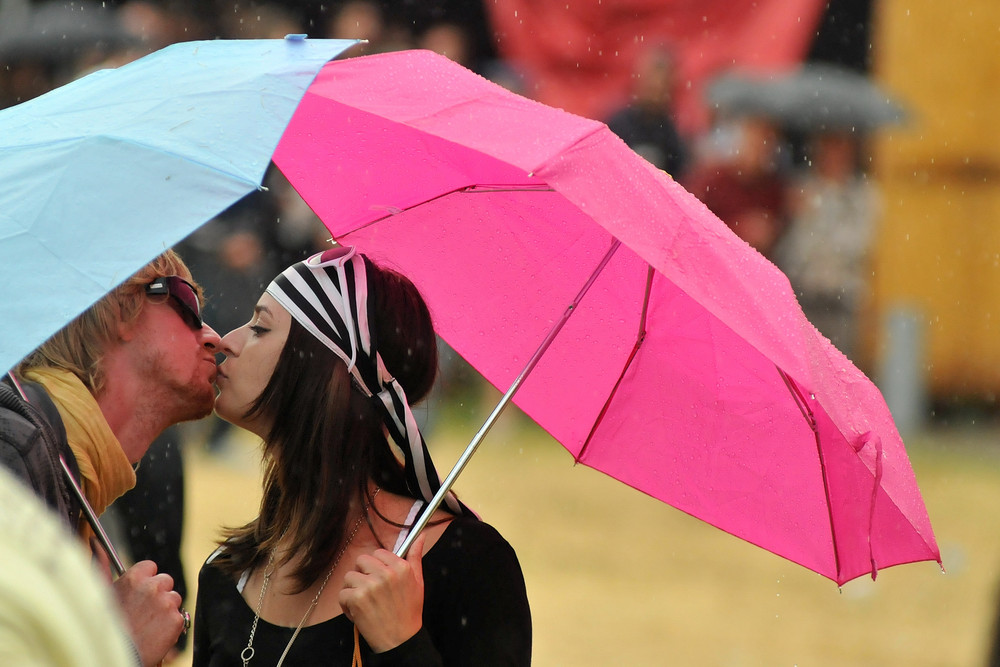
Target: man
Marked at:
96, 394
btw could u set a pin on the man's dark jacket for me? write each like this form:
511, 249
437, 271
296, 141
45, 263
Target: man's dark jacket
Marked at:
32, 438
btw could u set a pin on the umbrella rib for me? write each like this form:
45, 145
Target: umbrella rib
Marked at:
640, 337
463, 189
487, 188
810, 418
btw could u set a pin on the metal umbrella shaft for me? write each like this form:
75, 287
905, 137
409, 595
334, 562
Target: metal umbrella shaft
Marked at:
102, 537
471, 448
88, 511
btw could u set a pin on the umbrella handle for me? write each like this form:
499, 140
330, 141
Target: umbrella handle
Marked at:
471, 448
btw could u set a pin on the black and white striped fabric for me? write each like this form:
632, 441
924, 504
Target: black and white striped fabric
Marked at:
328, 295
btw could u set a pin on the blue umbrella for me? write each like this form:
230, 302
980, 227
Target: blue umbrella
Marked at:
101, 175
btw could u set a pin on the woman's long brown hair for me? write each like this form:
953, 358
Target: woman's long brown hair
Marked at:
326, 442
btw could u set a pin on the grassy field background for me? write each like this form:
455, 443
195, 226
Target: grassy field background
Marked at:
617, 578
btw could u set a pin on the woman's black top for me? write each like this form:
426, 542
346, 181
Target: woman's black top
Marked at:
475, 613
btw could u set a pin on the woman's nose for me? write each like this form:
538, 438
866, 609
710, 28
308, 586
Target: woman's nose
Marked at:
229, 344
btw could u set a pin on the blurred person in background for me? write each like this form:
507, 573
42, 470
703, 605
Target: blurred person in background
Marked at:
747, 188
833, 208
505, 74
297, 231
264, 20
449, 40
365, 19
646, 123
159, 23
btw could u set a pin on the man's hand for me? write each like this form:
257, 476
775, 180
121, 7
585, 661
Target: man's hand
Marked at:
150, 606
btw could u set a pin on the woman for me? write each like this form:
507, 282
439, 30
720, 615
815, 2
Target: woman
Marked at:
323, 372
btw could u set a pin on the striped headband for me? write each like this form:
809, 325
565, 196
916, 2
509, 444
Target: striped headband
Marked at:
328, 295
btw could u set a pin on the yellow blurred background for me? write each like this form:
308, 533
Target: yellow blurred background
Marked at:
938, 251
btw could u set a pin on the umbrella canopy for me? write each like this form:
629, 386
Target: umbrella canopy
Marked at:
687, 370
814, 97
101, 175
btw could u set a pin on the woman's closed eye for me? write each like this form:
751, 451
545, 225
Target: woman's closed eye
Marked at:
258, 330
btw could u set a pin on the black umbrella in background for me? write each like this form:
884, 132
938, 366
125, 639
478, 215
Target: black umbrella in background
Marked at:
58, 31
815, 97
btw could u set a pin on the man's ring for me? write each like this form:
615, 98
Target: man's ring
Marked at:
187, 620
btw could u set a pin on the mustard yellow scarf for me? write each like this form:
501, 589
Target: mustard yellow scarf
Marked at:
105, 469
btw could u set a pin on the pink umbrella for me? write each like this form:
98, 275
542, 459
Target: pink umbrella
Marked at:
685, 367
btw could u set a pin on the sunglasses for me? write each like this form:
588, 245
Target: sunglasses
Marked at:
183, 294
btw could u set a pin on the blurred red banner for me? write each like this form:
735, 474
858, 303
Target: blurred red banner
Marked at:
581, 55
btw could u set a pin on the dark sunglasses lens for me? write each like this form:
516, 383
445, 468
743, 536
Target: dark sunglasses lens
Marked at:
183, 293
186, 297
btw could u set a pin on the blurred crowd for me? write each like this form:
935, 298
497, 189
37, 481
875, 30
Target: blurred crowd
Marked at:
48, 43
799, 195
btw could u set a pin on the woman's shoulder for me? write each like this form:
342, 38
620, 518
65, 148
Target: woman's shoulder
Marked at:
468, 535
214, 570
473, 525
476, 601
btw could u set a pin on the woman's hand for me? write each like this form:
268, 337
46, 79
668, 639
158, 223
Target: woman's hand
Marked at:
384, 596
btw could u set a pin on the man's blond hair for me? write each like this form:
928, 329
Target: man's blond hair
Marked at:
79, 347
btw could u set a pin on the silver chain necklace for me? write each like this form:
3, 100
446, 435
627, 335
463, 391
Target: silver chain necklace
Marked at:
246, 655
